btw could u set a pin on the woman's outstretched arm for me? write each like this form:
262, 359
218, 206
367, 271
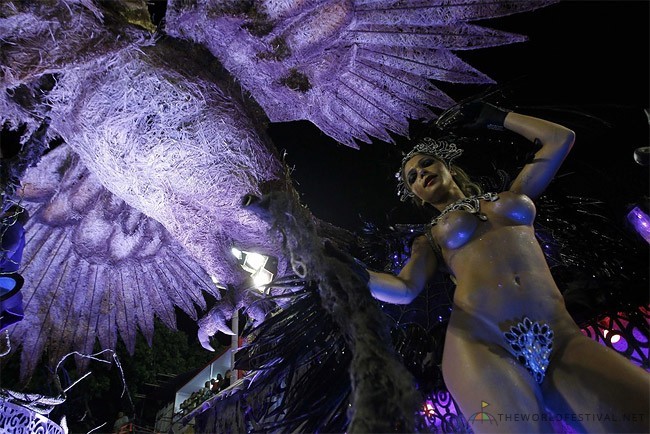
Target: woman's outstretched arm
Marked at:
556, 142
411, 280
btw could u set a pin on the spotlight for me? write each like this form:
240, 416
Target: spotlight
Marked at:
254, 261
262, 277
261, 267
615, 336
429, 409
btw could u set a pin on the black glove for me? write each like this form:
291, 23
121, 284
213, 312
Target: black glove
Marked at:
479, 114
473, 115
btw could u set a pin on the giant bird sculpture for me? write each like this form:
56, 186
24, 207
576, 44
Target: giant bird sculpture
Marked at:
136, 212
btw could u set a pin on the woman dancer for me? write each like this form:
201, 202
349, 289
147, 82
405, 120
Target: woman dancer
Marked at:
510, 343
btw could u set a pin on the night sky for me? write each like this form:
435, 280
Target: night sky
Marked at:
585, 65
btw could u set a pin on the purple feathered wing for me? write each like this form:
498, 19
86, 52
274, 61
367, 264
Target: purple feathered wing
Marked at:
354, 68
96, 267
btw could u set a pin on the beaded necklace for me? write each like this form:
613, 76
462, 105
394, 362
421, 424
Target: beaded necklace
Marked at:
470, 204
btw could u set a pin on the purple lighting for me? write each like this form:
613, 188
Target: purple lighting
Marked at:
640, 221
623, 335
440, 412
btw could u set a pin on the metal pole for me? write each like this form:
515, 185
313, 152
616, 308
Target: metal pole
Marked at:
234, 346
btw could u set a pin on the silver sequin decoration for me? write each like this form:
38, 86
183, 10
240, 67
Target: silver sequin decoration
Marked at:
470, 204
531, 343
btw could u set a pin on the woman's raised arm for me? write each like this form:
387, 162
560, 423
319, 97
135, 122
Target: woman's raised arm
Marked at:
556, 142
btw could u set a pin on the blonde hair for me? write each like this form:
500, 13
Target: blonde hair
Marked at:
464, 182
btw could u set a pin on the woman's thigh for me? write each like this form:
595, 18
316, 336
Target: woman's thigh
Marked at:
596, 389
484, 378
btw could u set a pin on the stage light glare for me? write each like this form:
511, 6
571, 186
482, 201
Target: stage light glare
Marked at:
261, 278
255, 261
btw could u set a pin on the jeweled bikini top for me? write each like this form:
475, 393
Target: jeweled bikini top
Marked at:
511, 209
470, 204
